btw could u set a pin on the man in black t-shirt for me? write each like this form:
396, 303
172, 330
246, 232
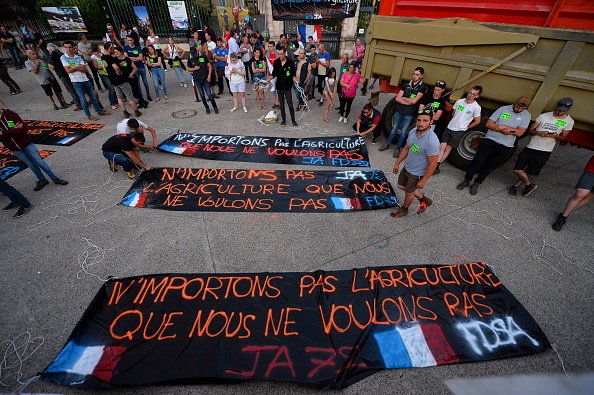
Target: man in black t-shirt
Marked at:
434, 101
284, 71
121, 150
40, 43
201, 70
118, 76
10, 44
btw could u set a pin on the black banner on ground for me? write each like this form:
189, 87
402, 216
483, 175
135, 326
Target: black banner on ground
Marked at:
60, 133
348, 151
11, 165
236, 190
326, 329
283, 10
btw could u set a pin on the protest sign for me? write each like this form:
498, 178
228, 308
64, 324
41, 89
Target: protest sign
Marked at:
59, 133
325, 329
11, 165
237, 190
348, 151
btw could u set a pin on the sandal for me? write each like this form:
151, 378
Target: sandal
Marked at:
326, 120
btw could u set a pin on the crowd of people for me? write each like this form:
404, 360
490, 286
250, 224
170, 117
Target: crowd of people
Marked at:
289, 66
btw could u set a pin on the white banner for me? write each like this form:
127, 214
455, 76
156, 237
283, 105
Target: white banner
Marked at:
179, 17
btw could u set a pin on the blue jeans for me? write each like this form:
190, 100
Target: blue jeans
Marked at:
113, 100
13, 52
85, 87
30, 155
141, 73
180, 74
402, 122
15, 196
299, 96
204, 86
159, 79
120, 159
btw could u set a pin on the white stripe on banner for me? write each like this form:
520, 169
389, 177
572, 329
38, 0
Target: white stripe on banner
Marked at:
416, 345
87, 360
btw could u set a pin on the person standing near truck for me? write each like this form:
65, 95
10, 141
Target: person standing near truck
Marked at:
548, 128
584, 191
466, 115
406, 104
505, 125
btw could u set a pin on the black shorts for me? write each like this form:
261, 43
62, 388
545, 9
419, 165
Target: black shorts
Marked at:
408, 181
53, 84
452, 137
532, 161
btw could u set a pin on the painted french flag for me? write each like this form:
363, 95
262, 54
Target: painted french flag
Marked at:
77, 360
346, 203
414, 345
310, 30
176, 149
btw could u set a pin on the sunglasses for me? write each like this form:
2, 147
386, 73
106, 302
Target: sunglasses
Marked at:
565, 104
427, 112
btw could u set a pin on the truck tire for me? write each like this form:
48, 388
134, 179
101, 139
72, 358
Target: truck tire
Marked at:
388, 117
462, 156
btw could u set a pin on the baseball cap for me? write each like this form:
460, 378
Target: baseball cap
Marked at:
524, 101
193, 51
420, 70
440, 84
564, 104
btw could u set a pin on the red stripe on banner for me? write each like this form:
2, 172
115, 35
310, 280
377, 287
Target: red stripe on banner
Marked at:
438, 344
110, 358
142, 199
355, 203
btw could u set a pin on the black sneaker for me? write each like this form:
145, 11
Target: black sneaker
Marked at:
56, 108
373, 140
513, 192
528, 189
474, 188
462, 185
216, 110
149, 98
22, 211
40, 184
283, 123
10, 206
59, 181
216, 96
208, 110
126, 114
294, 123
559, 222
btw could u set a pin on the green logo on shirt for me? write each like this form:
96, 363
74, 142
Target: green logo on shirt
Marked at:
505, 115
288, 72
45, 67
73, 64
435, 105
460, 108
561, 123
344, 70
201, 60
124, 64
135, 52
10, 124
415, 148
413, 95
260, 66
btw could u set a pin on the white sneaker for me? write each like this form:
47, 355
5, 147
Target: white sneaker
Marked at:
185, 85
340, 119
245, 109
181, 84
344, 120
233, 109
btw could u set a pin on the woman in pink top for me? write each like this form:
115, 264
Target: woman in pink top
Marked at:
349, 82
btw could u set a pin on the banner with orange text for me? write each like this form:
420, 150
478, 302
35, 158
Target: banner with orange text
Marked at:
327, 329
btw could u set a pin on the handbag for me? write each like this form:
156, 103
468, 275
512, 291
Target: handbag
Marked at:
228, 68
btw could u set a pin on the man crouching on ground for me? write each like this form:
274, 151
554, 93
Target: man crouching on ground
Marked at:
423, 145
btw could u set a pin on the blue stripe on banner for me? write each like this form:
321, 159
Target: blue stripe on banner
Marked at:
392, 349
131, 199
65, 361
301, 29
168, 147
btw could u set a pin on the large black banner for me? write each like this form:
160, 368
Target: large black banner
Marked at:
297, 191
11, 165
283, 10
60, 133
326, 329
349, 151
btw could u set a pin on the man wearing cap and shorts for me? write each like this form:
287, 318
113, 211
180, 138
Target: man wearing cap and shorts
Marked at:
548, 128
421, 149
584, 191
406, 104
505, 125
466, 115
